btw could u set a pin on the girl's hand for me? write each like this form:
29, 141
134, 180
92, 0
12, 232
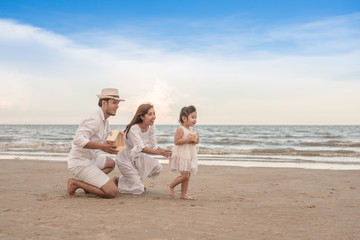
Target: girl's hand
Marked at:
191, 138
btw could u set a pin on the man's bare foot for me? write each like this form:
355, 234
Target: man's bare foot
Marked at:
115, 180
71, 188
170, 191
186, 197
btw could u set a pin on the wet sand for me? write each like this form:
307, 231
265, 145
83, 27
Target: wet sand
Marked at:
231, 203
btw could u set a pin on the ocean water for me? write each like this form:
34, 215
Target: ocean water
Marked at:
314, 147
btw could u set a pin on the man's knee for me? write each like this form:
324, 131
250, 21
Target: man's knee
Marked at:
112, 193
110, 163
110, 189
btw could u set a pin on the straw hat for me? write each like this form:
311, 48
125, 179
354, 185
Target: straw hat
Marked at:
110, 93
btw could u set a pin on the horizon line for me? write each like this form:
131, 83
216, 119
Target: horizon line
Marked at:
170, 124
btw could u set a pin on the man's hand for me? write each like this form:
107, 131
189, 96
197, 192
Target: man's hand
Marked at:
106, 147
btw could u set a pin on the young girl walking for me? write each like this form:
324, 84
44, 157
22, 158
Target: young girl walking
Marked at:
184, 153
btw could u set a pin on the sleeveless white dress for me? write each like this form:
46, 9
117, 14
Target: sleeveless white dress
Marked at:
184, 157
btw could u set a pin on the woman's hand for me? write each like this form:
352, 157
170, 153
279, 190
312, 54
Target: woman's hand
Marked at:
165, 153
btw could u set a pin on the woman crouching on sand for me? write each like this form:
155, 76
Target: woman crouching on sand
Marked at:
134, 163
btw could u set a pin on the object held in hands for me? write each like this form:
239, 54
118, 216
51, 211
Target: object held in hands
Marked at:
117, 138
195, 133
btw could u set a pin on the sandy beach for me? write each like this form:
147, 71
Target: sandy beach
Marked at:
231, 203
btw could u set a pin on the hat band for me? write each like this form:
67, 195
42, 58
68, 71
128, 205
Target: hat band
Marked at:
106, 96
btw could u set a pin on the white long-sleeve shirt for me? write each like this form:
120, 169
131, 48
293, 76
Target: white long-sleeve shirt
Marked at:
94, 128
136, 140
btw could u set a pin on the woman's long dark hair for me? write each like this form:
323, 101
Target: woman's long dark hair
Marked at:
141, 111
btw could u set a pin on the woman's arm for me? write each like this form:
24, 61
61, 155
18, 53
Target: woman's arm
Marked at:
163, 152
139, 146
152, 137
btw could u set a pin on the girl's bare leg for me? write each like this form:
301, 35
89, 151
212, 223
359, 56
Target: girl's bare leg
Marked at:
170, 191
174, 183
184, 186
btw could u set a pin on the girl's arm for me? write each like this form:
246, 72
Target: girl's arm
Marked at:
178, 140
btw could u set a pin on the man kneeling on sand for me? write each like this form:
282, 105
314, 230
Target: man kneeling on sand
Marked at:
86, 160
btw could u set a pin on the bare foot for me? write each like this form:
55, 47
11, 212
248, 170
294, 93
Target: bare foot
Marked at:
71, 188
170, 191
186, 197
115, 180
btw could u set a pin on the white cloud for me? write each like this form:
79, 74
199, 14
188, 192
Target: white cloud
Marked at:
162, 96
328, 36
15, 32
50, 78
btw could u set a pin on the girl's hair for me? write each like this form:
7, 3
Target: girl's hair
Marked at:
185, 112
141, 111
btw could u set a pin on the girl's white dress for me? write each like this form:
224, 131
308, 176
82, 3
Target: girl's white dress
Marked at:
184, 157
135, 166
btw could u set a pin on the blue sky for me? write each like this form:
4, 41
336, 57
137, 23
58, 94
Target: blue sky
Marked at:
239, 62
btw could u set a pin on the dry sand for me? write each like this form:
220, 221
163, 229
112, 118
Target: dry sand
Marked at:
231, 203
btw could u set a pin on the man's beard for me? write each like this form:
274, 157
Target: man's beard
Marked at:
110, 114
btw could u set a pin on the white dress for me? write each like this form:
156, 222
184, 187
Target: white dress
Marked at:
135, 166
184, 156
